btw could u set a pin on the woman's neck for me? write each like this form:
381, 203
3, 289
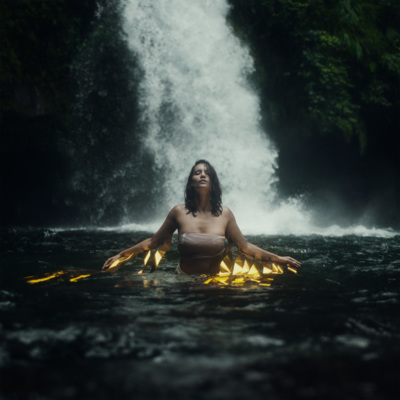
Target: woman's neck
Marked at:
203, 203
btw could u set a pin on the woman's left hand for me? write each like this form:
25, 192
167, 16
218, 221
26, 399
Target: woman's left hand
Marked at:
289, 262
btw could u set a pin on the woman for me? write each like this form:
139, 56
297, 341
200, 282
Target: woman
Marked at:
203, 225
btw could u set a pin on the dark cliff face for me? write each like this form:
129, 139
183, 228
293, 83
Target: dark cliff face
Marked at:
330, 100
69, 115
33, 170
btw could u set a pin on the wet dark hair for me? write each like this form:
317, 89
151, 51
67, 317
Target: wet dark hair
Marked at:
215, 195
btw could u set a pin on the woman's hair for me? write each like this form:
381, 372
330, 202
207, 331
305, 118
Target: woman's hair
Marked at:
215, 195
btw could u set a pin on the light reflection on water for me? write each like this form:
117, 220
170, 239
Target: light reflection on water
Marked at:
329, 332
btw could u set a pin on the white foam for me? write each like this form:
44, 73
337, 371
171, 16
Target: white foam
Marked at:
330, 231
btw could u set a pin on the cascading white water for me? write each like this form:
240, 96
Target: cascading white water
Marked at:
197, 104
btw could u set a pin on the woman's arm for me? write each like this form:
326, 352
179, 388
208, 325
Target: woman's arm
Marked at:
233, 232
167, 229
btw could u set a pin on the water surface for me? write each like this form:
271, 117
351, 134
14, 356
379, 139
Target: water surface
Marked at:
331, 331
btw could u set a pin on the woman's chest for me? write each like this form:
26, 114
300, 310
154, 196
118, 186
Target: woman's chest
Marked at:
202, 223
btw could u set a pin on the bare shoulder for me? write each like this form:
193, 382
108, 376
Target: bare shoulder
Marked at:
178, 210
227, 213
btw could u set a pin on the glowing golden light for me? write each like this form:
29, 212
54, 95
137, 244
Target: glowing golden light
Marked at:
45, 278
161, 251
236, 272
253, 271
77, 278
267, 271
246, 266
157, 258
245, 271
224, 269
120, 260
238, 265
153, 257
147, 258
65, 275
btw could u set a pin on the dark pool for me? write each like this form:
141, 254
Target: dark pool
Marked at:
329, 332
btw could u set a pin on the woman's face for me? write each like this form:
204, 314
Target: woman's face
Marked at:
200, 177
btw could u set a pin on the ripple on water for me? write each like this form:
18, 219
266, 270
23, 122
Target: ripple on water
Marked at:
353, 341
7, 305
31, 336
263, 341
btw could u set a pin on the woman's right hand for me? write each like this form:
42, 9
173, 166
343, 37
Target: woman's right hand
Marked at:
110, 262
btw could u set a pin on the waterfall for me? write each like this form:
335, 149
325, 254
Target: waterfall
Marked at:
196, 102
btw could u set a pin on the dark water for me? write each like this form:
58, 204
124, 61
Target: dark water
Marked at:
330, 332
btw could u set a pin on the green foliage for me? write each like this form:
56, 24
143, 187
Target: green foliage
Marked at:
324, 64
38, 41
68, 108
328, 84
